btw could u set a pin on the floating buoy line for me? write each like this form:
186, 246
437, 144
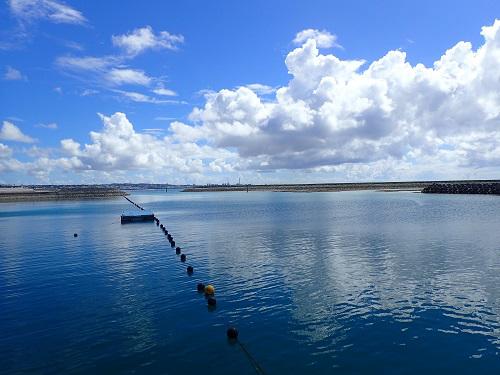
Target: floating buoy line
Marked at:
208, 290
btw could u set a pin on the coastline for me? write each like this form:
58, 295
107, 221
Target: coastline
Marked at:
22, 194
415, 186
35, 193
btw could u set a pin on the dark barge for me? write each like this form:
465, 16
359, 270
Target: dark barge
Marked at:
133, 217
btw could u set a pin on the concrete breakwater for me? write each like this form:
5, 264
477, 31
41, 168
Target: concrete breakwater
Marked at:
464, 188
17, 194
416, 186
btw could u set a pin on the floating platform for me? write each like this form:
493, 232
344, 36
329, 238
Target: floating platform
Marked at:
133, 217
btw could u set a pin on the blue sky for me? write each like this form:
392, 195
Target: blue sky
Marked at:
146, 65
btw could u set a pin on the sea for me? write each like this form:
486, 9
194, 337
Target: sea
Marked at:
360, 282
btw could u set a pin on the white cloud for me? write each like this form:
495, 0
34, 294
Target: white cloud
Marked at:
261, 89
164, 118
73, 45
119, 147
142, 98
51, 126
12, 74
5, 151
333, 114
10, 132
142, 39
51, 10
324, 39
128, 76
335, 119
86, 63
89, 92
164, 92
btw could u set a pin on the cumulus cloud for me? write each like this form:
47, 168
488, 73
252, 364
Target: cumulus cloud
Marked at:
120, 147
12, 74
333, 113
51, 10
379, 120
10, 132
323, 38
261, 89
142, 39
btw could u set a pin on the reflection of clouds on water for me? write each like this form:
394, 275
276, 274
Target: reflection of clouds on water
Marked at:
309, 279
340, 276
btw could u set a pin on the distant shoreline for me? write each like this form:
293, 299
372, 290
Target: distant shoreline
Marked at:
36, 193
22, 194
415, 186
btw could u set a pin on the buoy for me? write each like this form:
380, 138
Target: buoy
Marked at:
189, 269
161, 226
232, 333
183, 257
211, 301
75, 234
210, 290
172, 243
200, 287
178, 250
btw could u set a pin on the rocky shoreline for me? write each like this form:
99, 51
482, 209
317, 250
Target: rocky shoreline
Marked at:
469, 188
23, 194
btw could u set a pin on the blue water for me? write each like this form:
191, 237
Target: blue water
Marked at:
340, 283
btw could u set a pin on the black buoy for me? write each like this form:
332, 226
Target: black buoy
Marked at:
189, 269
172, 243
183, 257
161, 226
75, 234
200, 287
211, 301
169, 236
232, 333
177, 250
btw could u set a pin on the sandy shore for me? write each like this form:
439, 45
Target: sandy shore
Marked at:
20, 194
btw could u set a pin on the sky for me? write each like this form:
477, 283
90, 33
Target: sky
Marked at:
263, 91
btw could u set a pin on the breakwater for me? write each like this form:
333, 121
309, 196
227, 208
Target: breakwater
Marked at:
333, 187
19, 194
464, 188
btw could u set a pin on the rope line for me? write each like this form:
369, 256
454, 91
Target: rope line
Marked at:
258, 369
252, 360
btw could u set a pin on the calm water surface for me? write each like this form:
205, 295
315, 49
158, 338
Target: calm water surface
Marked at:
323, 283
